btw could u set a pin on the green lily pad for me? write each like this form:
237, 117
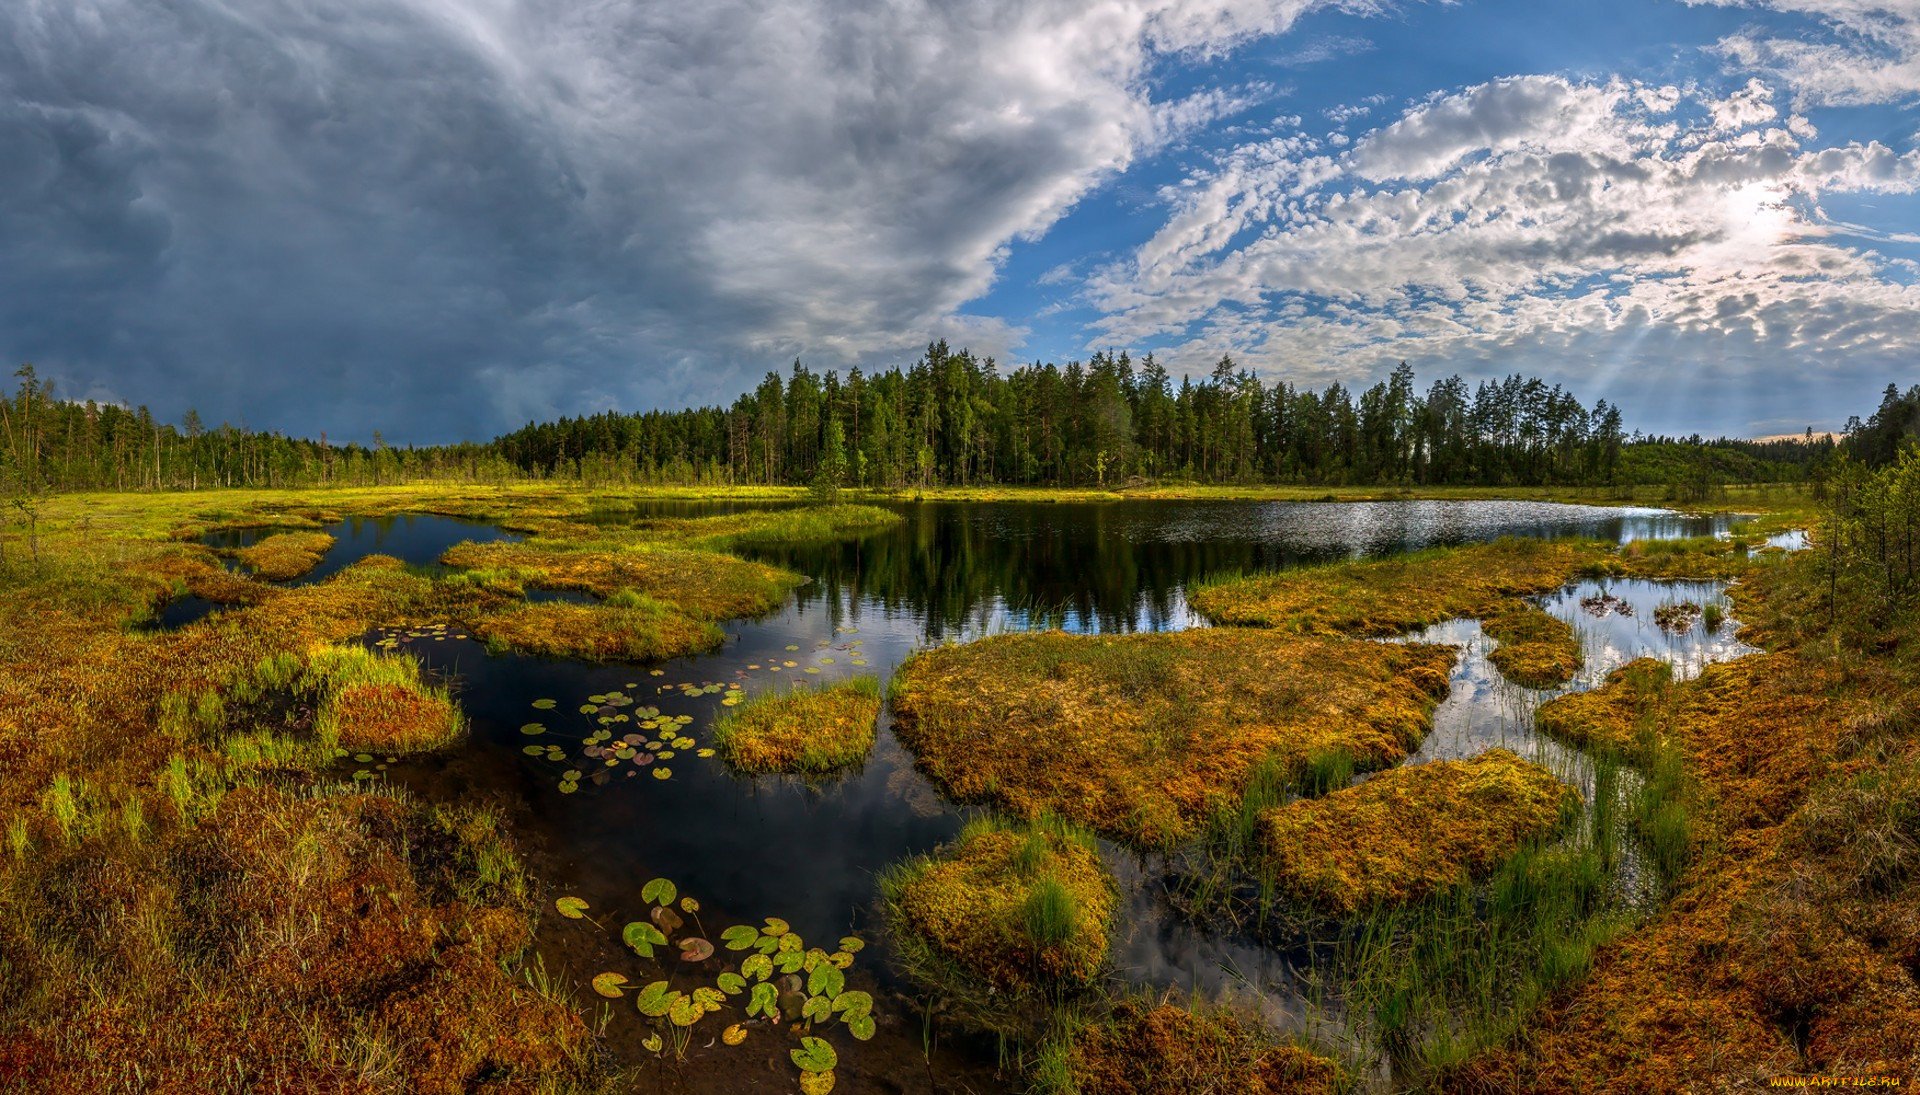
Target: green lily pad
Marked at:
740, 937
826, 980
643, 937
573, 908
610, 985
861, 1028
757, 966
731, 983
543, 705
533, 728
655, 1000
815, 1055
764, 1001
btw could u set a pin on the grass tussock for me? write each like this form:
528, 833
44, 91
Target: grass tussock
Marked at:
766, 528
1007, 910
1145, 737
803, 731
379, 702
285, 555
705, 585
1165, 1049
1535, 650
1612, 718
1411, 831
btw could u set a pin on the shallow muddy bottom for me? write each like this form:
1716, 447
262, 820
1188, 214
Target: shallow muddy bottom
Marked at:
750, 848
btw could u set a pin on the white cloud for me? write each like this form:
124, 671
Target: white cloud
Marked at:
1592, 219
1871, 56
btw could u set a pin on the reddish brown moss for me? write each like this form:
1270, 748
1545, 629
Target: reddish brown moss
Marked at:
706, 585
1411, 831
803, 730
1535, 650
598, 632
1167, 1050
1144, 736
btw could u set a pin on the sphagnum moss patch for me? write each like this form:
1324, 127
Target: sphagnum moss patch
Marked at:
1170, 1050
1005, 909
803, 731
1143, 737
1535, 650
286, 555
1410, 831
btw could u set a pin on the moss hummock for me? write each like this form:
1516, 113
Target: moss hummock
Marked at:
1169, 1050
286, 555
1535, 650
1004, 909
804, 731
1144, 737
636, 629
1412, 831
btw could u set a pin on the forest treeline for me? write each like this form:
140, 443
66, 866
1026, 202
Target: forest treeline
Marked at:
952, 418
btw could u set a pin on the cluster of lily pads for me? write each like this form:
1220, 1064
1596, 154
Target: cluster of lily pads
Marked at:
390, 638
364, 773
824, 649
654, 739
779, 980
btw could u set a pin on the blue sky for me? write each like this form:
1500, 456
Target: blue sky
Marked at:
441, 218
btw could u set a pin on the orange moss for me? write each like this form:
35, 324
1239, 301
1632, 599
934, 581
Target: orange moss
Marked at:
392, 717
1411, 831
1613, 717
1168, 1050
286, 555
1144, 736
1383, 597
804, 730
703, 584
642, 632
1535, 650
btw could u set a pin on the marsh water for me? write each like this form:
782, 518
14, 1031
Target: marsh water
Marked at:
751, 848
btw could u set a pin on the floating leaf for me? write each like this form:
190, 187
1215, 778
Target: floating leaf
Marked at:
765, 1001
533, 728
852, 1004
704, 754
663, 772
790, 961
655, 1000
695, 949
826, 980
740, 937
841, 959
668, 920
363, 758
709, 999
734, 1034
610, 985
543, 704
861, 1028
572, 908
775, 926
684, 1012
757, 966
643, 937
689, 905
815, 1055
816, 1083
652, 1043
731, 983
852, 944
659, 891
818, 1009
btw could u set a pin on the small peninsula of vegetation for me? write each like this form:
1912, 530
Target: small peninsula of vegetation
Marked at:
802, 731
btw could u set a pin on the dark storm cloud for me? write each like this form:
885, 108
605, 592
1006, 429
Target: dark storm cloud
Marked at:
441, 217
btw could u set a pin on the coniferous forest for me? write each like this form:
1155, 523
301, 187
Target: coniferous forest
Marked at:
954, 419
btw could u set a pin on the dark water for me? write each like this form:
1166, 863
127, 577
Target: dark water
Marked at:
414, 538
752, 848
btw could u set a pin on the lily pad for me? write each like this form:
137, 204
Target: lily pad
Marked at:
861, 1028
734, 1034
815, 1055
533, 728
684, 1012
655, 1000
668, 920
543, 705
652, 1043
740, 937
757, 966
611, 985
695, 949
659, 891
775, 926
732, 983
764, 1001
573, 908
663, 772
816, 1083
643, 937
817, 1009
826, 980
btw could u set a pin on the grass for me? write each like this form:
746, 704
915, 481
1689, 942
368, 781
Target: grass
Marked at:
1003, 920
1535, 650
285, 555
808, 525
1145, 737
640, 629
1411, 831
803, 731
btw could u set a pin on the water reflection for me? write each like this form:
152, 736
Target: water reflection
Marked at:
417, 539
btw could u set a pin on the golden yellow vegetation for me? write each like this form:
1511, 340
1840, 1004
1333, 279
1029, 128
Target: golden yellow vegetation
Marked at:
802, 731
1535, 650
285, 555
640, 629
1411, 831
1010, 908
1144, 736
1169, 1050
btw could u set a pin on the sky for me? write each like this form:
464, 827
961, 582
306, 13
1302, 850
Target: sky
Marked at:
441, 219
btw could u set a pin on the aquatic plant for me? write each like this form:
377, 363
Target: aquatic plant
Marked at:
1411, 831
1144, 736
285, 555
1004, 918
802, 731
